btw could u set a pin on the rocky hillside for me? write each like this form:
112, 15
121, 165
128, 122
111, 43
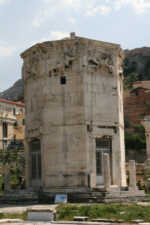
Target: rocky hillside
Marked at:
14, 93
137, 61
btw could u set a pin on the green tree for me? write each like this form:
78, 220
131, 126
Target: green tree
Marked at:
130, 79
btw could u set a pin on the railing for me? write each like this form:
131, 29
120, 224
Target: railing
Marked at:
11, 144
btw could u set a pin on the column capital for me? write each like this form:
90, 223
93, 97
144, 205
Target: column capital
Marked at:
146, 123
147, 133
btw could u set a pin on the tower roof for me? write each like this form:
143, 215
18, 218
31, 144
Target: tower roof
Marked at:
72, 37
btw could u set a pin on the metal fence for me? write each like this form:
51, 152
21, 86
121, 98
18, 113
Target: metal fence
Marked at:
11, 144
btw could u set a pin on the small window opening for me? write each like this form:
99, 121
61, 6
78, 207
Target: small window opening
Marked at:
15, 124
23, 121
136, 92
5, 130
14, 139
92, 62
55, 71
14, 111
66, 67
70, 62
89, 127
21, 110
63, 80
50, 73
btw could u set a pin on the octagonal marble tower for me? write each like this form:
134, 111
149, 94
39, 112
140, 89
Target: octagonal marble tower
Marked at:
74, 113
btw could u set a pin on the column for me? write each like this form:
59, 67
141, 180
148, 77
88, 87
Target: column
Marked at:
107, 177
148, 144
146, 124
132, 175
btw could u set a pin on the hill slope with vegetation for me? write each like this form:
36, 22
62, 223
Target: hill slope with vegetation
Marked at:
136, 65
14, 93
136, 104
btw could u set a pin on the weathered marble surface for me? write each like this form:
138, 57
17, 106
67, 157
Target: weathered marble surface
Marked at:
67, 118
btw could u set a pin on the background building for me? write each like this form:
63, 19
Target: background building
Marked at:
11, 123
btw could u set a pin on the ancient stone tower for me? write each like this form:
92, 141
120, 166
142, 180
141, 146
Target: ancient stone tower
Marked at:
74, 113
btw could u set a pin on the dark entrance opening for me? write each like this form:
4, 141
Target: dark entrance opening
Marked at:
35, 153
103, 145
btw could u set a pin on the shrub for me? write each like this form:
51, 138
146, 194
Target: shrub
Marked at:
135, 142
127, 212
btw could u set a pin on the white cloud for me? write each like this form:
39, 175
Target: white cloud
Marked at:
101, 9
53, 35
36, 22
44, 14
51, 8
3, 1
6, 51
140, 6
72, 20
65, 3
56, 35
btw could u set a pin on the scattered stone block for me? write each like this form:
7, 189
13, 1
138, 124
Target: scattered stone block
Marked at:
144, 223
100, 220
14, 221
137, 221
80, 218
40, 214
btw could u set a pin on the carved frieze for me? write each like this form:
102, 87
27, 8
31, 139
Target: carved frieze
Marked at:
98, 60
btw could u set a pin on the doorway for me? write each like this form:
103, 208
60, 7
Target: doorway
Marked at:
103, 145
35, 166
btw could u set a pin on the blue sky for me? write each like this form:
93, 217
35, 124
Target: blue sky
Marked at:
26, 22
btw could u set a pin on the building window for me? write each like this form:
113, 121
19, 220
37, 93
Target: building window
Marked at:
23, 122
14, 111
63, 80
35, 152
15, 124
21, 110
14, 138
5, 130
